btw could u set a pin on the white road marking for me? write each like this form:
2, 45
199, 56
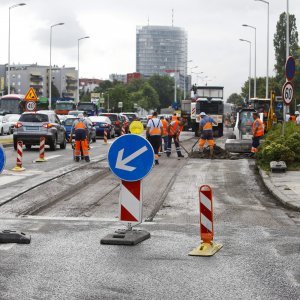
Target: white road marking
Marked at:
51, 157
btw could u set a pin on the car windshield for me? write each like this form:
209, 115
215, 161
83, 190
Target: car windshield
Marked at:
86, 106
35, 118
112, 117
69, 122
64, 106
75, 112
246, 118
131, 117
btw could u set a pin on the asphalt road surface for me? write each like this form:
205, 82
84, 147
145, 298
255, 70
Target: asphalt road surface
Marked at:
66, 220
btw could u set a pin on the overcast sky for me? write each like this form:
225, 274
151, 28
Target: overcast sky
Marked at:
213, 27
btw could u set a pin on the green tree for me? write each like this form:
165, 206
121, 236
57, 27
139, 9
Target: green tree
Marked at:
236, 99
164, 87
117, 94
274, 84
135, 85
280, 43
148, 97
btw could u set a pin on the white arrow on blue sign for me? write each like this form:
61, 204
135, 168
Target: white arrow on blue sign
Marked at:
2, 159
130, 157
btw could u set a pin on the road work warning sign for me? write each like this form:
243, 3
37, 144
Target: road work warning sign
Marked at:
31, 95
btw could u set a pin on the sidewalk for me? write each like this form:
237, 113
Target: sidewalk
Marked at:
6, 141
284, 186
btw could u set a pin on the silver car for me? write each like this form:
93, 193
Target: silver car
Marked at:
34, 125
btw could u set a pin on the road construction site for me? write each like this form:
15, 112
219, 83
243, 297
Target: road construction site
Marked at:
68, 212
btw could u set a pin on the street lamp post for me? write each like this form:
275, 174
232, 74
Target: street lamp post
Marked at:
8, 63
184, 84
242, 40
268, 29
86, 37
50, 66
245, 25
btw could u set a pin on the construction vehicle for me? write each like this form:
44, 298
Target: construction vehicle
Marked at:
209, 99
240, 141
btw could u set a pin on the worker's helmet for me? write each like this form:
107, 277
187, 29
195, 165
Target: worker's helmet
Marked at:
80, 116
202, 114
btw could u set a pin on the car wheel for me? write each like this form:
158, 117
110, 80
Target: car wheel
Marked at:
63, 145
53, 144
1, 133
28, 147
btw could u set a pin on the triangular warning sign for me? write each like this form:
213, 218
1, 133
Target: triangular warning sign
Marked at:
31, 95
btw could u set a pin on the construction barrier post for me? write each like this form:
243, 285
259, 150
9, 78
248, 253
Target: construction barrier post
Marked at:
123, 130
105, 137
207, 246
130, 213
42, 150
18, 167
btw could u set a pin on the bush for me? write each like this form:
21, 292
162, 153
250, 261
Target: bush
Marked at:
277, 152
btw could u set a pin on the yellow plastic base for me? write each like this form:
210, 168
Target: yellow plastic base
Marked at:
206, 249
18, 169
105, 143
41, 160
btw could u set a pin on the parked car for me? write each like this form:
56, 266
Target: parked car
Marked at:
102, 123
131, 116
144, 121
12, 120
34, 125
68, 123
126, 122
116, 120
4, 126
75, 113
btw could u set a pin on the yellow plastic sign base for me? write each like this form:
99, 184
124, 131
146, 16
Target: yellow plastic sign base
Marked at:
136, 127
18, 169
105, 143
206, 249
41, 160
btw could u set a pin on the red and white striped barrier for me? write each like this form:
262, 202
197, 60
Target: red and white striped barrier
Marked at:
18, 167
123, 131
42, 150
105, 137
207, 247
130, 200
206, 214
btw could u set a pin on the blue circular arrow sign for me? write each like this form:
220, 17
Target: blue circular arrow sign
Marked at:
2, 159
130, 157
290, 68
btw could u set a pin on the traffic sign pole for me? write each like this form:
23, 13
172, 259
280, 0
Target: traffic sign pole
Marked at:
130, 158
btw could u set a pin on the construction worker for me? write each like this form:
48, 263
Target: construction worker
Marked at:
257, 131
206, 129
174, 117
173, 133
164, 137
80, 129
154, 133
297, 114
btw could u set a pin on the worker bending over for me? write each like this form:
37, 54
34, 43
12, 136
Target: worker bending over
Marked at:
154, 133
257, 131
173, 133
206, 130
80, 129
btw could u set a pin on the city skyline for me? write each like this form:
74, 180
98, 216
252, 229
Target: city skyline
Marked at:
213, 35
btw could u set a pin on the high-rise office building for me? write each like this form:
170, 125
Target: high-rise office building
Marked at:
161, 50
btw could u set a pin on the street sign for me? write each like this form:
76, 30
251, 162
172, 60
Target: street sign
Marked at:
290, 68
287, 93
136, 127
120, 104
130, 157
31, 95
31, 105
2, 159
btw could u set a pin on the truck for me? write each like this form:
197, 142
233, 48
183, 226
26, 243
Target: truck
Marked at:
208, 99
90, 108
63, 107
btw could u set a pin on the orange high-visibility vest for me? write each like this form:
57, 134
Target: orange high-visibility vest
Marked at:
207, 125
174, 118
155, 130
260, 130
80, 125
174, 127
165, 125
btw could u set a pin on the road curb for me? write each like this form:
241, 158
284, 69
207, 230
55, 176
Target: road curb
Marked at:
284, 199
